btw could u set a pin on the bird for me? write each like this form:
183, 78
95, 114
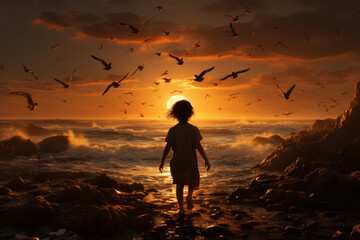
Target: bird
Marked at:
114, 85
159, 8
206, 96
219, 108
287, 114
246, 10
165, 73
128, 103
259, 100
140, 68
180, 61
158, 53
234, 74
107, 66
143, 103
56, 46
233, 32
131, 49
28, 70
197, 45
333, 100
66, 85
141, 115
248, 104
167, 80
101, 46
133, 29
166, 33
125, 112
31, 105
281, 44
234, 19
286, 94
157, 83
129, 93
176, 91
200, 78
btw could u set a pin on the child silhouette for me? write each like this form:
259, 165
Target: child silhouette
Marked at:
184, 139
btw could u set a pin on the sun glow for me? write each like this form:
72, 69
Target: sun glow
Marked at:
174, 99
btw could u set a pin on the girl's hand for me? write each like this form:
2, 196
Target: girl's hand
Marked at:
207, 165
161, 167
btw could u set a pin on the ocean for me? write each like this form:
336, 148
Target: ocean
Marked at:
130, 150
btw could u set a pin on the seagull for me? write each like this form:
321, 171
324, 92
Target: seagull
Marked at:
143, 103
197, 45
176, 91
140, 68
333, 100
133, 29
165, 73
286, 94
114, 85
180, 61
56, 46
234, 19
129, 93
141, 115
166, 33
131, 49
157, 83
66, 85
287, 114
167, 80
31, 105
158, 53
207, 95
159, 8
259, 100
219, 108
248, 104
246, 10
233, 33
200, 78
128, 103
234, 74
107, 66
27, 70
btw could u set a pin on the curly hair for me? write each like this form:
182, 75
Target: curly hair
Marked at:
181, 110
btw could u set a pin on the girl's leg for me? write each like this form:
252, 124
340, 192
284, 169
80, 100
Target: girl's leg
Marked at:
180, 196
189, 201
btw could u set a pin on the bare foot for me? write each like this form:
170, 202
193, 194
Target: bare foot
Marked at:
189, 203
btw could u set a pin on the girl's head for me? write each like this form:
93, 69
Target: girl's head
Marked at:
181, 110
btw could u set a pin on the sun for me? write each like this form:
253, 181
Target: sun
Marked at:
174, 99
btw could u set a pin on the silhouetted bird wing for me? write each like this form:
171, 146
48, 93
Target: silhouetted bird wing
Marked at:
123, 78
242, 71
100, 60
107, 89
206, 71
142, 25
25, 68
225, 77
177, 59
25, 94
289, 91
232, 29
59, 81
32, 73
280, 89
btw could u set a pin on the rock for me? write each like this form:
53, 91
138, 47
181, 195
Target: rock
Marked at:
216, 231
239, 194
338, 235
323, 124
247, 226
161, 228
143, 222
17, 146
4, 190
187, 230
104, 181
355, 233
312, 226
34, 212
291, 230
55, 144
274, 140
150, 190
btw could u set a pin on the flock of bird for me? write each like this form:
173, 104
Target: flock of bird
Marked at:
134, 30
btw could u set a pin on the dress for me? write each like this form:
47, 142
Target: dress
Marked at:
184, 165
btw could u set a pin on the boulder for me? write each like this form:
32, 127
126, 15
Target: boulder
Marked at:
274, 140
355, 233
17, 146
216, 231
338, 235
54, 144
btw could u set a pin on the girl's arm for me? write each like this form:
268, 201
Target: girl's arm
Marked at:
202, 153
165, 153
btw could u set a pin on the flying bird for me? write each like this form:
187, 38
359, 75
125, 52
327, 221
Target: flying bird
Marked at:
129, 93
66, 85
286, 94
128, 103
157, 83
281, 44
31, 105
248, 104
287, 114
234, 74
141, 115
56, 46
200, 78
28, 70
233, 32
166, 33
197, 45
140, 68
143, 103
165, 73
114, 85
107, 66
159, 8
246, 10
167, 80
133, 29
234, 19
101, 46
158, 53
207, 95
180, 61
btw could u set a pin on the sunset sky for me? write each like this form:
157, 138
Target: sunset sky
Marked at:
313, 44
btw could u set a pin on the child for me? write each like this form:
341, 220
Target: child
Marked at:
184, 139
